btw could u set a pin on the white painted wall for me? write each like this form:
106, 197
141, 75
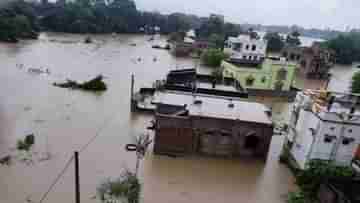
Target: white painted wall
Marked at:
303, 140
246, 49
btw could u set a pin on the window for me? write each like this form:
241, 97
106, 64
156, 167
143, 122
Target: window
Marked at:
244, 57
251, 141
347, 140
250, 80
237, 47
255, 57
281, 75
329, 138
263, 79
253, 48
250, 57
350, 130
292, 56
247, 47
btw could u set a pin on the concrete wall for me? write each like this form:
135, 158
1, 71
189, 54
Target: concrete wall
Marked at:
265, 78
209, 136
303, 138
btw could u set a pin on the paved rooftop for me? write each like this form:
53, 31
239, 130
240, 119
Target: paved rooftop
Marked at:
216, 107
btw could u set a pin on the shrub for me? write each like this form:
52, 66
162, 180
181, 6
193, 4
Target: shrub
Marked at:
126, 187
213, 57
355, 83
310, 179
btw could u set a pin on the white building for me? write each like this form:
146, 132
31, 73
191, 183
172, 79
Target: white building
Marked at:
244, 47
324, 126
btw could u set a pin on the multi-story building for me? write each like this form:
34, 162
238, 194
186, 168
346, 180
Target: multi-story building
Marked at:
217, 126
245, 49
323, 126
315, 61
273, 74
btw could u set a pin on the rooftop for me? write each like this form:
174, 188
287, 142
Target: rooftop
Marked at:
220, 108
244, 38
333, 106
266, 66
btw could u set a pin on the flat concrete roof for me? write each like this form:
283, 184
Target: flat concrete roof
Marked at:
217, 87
216, 107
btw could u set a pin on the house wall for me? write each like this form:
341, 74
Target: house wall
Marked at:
303, 138
246, 49
173, 135
265, 78
307, 147
207, 136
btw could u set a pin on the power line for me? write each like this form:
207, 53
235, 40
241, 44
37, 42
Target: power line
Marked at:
57, 179
98, 132
100, 129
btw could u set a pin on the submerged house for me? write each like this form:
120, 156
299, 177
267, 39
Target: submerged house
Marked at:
323, 126
197, 124
315, 61
245, 49
272, 75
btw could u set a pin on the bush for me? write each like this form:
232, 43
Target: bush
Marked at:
310, 179
355, 83
296, 197
213, 57
26, 144
96, 84
127, 186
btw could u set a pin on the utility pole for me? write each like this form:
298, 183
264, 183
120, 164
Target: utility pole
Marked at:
77, 178
132, 101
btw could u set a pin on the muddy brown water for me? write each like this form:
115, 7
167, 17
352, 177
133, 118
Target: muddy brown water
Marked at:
65, 120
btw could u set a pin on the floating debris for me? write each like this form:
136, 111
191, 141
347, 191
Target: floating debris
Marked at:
6, 160
26, 144
38, 70
27, 108
166, 47
95, 84
45, 157
88, 40
39, 121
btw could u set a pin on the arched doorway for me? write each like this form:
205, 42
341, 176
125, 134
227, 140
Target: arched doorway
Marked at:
251, 141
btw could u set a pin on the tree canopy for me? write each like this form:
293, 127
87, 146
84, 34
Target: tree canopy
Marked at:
213, 57
355, 83
17, 20
275, 42
346, 47
293, 38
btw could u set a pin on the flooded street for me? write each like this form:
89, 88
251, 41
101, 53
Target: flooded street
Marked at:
67, 120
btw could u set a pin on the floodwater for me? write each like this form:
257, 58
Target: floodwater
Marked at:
67, 120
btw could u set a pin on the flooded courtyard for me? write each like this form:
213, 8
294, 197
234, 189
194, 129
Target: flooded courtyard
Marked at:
100, 125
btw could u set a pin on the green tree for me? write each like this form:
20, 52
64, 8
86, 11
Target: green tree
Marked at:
355, 83
275, 42
217, 40
346, 47
212, 25
213, 57
293, 39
